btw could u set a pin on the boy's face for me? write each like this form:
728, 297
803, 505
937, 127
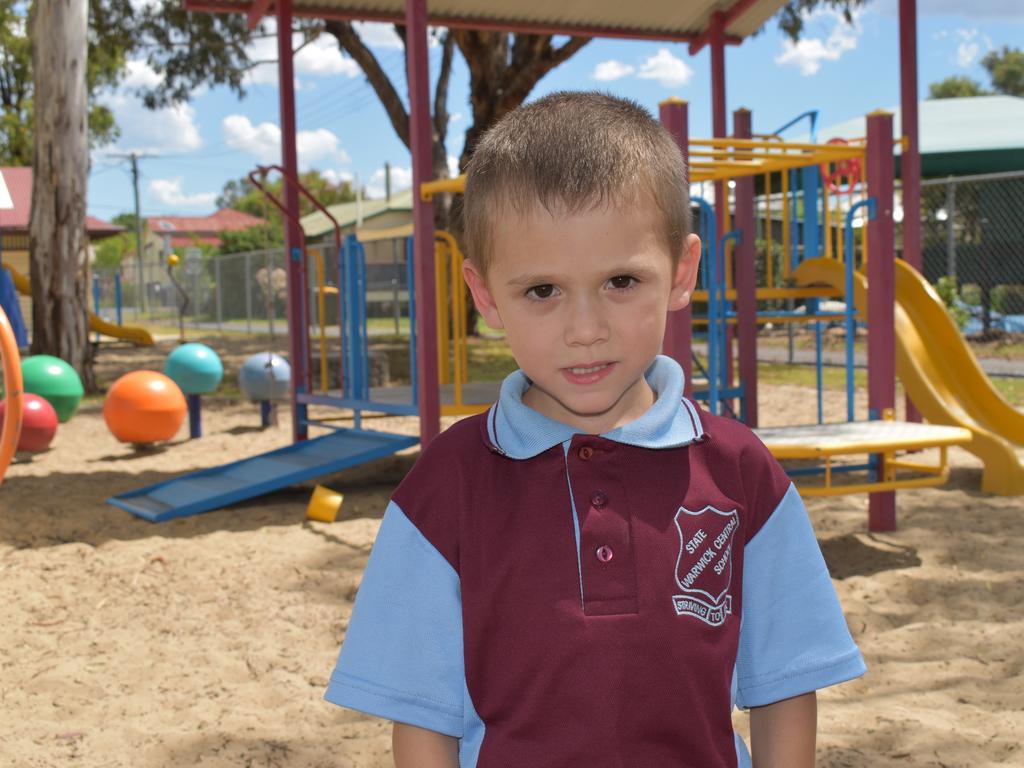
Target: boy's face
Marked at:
582, 299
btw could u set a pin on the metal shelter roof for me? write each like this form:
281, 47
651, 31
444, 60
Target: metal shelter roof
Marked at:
980, 134
683, 20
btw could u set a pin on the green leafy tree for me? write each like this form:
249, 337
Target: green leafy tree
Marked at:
185, 49
1006, 68
252, 239
791, 17
955, 87
241, 195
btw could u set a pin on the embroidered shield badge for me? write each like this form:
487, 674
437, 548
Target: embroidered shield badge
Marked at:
704, 567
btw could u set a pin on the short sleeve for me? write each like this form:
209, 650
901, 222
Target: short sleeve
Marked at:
793, 635
402, 658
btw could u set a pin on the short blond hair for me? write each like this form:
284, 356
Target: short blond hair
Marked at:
573, 152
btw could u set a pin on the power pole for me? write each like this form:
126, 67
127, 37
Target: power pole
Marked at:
141, 283
138, 232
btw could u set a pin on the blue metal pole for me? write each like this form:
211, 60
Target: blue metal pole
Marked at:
195, 416
117, 296
96, 300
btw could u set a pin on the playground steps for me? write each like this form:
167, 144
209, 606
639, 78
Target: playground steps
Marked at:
210, 489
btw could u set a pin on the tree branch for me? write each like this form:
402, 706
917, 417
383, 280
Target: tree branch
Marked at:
441, 107
349, 40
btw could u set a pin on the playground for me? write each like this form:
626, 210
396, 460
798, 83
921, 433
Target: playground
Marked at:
172, 599
208, 639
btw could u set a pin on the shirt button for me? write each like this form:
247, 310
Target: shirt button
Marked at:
598, 500
604, 553
586, 452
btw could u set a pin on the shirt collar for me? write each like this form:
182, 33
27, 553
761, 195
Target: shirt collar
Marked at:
519, 432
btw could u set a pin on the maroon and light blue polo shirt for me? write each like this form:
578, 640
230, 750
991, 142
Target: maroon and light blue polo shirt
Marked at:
557, 599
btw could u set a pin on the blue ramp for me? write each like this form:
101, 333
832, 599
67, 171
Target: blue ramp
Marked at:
213, 488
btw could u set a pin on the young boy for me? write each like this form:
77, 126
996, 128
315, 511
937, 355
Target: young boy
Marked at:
594, 572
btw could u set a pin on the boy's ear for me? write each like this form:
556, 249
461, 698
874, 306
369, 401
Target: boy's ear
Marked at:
685, 278
482, 297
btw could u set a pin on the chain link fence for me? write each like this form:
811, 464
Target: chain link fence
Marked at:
972, 235
248, 291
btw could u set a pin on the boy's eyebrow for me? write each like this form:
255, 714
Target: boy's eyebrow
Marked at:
532, 278
541, 278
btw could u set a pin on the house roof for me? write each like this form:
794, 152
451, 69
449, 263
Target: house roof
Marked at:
651, 19
224, 220
317, 224
16, 204
980, 134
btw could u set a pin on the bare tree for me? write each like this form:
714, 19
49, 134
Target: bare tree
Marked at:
57, 238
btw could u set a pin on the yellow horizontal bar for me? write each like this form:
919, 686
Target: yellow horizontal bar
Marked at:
763, 294
882, 485
785, 145
867, 446
430, 188
466, 409
914, 466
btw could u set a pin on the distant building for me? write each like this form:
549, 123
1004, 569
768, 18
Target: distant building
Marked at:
169, 232
15, 212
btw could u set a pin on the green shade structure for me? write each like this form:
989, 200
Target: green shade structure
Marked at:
55, 381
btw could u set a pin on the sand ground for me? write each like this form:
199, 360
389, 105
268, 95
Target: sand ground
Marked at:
209, 640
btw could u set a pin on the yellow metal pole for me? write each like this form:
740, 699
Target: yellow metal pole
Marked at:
441, 291
825, 206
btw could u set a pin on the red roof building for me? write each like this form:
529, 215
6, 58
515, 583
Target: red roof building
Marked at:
16, 206
184, 231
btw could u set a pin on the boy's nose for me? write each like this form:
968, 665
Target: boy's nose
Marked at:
586, 324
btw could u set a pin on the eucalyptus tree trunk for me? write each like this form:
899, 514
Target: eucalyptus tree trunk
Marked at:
57, 238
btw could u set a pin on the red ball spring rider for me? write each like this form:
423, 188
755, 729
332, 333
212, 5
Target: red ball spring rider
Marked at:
38, 423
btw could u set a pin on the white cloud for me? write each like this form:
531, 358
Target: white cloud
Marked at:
320, 148
171, 129
401, 178
140, 75
378, 34
610, 70
971, 46
455, 117
320, 145
337, 177
453, 166
323, 57
263, 140
169, 192
808, 52
666, 69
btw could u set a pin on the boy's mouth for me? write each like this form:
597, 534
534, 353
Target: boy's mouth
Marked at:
587, 374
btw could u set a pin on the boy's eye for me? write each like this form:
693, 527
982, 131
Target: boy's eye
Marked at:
545, 291
621, 282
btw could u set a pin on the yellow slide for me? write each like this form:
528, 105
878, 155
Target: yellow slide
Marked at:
940, 372
138, 336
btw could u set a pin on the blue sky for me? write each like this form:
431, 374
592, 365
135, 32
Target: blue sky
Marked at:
193, 149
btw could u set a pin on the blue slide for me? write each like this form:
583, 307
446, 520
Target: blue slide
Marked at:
210, 489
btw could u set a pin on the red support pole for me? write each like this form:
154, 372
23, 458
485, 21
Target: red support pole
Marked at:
420, 141
675, 116
910, 158
298, 310
881, 299
745, 272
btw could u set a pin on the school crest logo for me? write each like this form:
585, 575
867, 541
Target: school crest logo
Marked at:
704, 567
